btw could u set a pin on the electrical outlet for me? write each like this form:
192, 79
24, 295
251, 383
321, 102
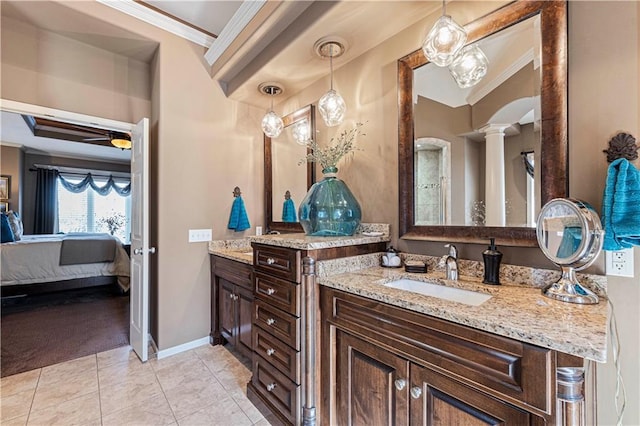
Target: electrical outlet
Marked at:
198, 235
620, 262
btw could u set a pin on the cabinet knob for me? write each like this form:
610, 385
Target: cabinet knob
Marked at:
271, 321
271, 261
416, 392
271, 351
270, 291
271, 387
400, 384
231, 296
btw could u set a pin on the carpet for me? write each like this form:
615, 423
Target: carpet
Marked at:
41, 330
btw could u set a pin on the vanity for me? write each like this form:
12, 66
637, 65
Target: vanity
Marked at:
333, 343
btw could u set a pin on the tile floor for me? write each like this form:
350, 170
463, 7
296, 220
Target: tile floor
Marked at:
203, 386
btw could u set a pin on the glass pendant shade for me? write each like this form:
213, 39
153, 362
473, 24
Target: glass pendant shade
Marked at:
301, 132
332, 108
444, 41
272, 124
469, 67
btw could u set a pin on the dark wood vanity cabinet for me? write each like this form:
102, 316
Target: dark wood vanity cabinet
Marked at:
232, 304
386, 365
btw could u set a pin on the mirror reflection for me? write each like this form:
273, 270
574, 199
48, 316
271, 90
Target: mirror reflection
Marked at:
287, 181
289, 178
561, 231
475, 149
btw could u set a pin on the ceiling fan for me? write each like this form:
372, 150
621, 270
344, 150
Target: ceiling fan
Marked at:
117, 139
45, 127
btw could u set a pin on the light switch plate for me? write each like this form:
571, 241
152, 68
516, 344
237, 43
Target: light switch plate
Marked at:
620, 262
199, 235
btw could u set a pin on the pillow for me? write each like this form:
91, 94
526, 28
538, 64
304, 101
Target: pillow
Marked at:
5, 228
16, 224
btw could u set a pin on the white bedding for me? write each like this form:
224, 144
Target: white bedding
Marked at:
36, 259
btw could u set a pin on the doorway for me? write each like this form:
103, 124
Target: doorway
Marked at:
139, 311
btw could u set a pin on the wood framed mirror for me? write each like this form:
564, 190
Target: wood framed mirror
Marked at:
282, 172
551, 178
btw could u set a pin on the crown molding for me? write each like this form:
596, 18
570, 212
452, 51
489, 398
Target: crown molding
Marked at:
161, 21
237, 23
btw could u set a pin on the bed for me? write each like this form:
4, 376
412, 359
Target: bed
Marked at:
42, 263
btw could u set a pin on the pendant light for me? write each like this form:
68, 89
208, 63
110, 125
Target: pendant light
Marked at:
444, 41
272, 124
331, 105
469, 66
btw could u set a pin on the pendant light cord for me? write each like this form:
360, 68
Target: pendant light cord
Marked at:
444, 7
331, 63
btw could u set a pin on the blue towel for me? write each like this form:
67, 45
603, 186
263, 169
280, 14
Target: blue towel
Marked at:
621, 206
238, 220
571, 239
289, 211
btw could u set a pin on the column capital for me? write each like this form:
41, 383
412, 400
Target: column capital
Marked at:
493, 128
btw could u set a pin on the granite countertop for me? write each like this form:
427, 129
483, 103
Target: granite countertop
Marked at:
239, 250
514, 311
305, 242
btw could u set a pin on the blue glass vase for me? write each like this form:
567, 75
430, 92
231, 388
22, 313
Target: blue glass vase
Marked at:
329, 209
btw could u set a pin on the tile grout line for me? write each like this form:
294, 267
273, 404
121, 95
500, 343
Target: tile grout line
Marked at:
99, 389
155, 375
34, 396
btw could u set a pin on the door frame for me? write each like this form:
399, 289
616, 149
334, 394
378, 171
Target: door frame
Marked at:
73, 118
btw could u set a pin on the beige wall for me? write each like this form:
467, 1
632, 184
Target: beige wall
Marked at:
11, 165
603, 99
202, 146
56, 70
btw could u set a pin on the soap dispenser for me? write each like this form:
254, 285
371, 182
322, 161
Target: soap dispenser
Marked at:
492, 258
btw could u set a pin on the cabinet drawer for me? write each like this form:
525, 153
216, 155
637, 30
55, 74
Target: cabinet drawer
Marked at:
280, 293
280, 324
236, 272
282, 393
514, 370
277, 354
278, 261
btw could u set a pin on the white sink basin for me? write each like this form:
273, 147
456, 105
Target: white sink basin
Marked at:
440, 291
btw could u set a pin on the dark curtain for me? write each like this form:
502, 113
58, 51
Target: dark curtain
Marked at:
527, 164
46, 201
102, 190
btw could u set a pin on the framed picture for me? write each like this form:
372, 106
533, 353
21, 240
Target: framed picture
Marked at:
5, 187
4, 207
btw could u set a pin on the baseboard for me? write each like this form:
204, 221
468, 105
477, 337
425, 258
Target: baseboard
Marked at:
183, 347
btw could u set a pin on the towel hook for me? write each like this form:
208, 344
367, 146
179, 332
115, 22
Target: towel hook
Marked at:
236, 192
622, 145
287, 195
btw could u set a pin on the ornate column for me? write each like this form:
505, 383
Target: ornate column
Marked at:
494, 193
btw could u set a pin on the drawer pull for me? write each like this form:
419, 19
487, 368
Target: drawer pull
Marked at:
416, 392
271, 387
400, 384
270, 291
271, 261
271, 351
231, 296
271, 321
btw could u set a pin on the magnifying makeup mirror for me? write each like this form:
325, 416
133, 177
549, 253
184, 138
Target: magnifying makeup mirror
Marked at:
570, 234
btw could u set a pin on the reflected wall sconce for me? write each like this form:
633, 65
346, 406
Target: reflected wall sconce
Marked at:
272, 124
301, 132
331, 105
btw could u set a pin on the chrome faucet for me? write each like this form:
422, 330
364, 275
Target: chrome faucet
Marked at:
451, 262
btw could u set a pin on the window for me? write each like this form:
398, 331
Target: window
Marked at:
88, 211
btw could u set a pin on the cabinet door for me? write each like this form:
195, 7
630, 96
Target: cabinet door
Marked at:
227, 312
438, 400
244, 309
372, 384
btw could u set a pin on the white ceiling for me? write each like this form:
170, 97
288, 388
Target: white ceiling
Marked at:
211, 16
15, 132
